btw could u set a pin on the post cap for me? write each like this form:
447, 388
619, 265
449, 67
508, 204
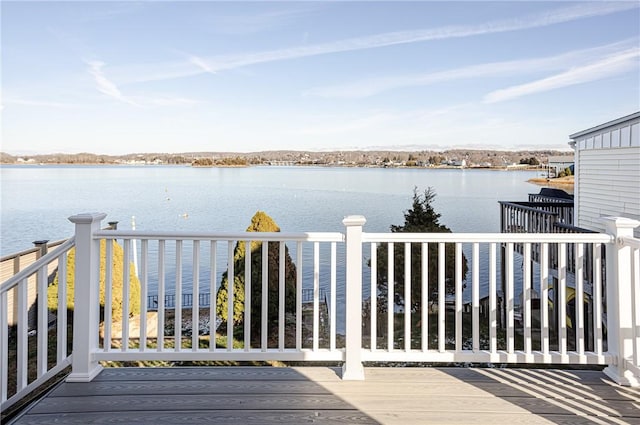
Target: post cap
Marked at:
621, 222
354, 220
87, 218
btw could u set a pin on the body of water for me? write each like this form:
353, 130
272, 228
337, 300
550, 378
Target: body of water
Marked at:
36, 200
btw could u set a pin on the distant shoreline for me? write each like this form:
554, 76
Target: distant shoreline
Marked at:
453, 158
415, 167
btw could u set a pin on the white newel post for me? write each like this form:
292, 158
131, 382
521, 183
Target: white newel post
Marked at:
619, 301
352, 369
86, 314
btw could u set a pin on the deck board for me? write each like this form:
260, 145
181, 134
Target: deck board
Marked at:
264, 395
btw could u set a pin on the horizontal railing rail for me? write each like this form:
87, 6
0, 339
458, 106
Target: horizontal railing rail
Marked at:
536, 197
30, 357
25, 252
222, 236
487, 237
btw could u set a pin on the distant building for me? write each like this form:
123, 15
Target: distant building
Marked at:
458, 163
607, 172
557, 164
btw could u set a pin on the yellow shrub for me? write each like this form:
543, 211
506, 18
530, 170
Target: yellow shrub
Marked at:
117, 282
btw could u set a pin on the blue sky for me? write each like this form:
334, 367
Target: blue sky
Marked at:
124, 77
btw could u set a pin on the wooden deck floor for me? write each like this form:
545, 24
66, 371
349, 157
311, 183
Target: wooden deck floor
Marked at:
263, 395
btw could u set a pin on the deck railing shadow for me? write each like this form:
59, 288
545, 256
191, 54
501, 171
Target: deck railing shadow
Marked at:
557, 395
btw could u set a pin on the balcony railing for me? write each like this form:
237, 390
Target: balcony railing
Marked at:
30, 347
534, 217
442, 322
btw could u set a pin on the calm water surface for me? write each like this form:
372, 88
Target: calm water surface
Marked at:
36, 200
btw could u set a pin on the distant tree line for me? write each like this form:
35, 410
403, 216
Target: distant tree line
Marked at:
343, 158
224, 162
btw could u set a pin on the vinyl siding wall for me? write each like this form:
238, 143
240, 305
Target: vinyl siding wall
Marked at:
608, 175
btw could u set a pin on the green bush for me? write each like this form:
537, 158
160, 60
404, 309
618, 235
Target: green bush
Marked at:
117, 279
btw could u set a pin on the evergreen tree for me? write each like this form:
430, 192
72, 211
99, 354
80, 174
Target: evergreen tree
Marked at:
421, 218
260, 222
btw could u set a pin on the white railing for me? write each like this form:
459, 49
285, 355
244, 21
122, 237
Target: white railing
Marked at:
203, 254
533, 331
33, 355
473, 298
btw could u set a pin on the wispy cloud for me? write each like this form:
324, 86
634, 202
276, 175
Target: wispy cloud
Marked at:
372, 86
610, 66
106, 86
109, 88
197, 61
163, 71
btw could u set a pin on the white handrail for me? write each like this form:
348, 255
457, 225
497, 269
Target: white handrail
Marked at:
223, 236
488, 237
629, 241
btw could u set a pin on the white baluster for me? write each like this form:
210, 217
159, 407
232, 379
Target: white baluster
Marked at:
407, 296
247, 295
316, 293
281, 290
493, 324
424, 321
177, 312
195, 305
213, 290
391, 291
475, 295
441, 297
374, 295
332, 299
144, 291
108, 295
458, 283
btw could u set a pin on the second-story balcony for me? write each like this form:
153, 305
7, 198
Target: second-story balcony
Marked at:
546, 212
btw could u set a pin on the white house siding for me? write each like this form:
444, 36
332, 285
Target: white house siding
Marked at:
608, 173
